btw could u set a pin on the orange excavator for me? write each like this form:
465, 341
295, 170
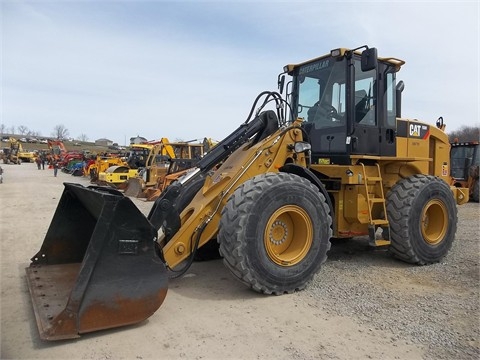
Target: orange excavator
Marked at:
57, 150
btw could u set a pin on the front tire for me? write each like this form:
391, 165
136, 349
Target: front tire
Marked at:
274, 232
423, 219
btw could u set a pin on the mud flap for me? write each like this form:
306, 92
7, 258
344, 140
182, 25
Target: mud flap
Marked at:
98, 266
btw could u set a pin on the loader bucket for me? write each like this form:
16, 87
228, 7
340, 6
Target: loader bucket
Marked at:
135, 187
97, 267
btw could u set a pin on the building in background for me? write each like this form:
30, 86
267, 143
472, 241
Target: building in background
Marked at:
137, 140
103, 142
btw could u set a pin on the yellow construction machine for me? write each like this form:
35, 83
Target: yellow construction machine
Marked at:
94, 169
188, 155
118, 175
10, 154
334, 158
25, 155
15, 154
158, 164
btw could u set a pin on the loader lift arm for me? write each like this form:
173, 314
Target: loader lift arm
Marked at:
166, 209
97, 234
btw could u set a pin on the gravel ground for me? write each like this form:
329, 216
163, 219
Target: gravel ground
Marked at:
436, 306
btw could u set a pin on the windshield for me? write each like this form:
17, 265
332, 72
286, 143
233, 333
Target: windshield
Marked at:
462, 157
137, 158
321, 92
187, 151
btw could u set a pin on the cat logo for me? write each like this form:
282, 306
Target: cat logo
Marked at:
418, 131
414, 130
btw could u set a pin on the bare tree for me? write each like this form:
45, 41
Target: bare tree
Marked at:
22, 129
12, 130
3, 128
83, 137
60, 132
465, 133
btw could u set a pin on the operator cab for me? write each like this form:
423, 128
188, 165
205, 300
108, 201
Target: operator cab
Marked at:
348, 102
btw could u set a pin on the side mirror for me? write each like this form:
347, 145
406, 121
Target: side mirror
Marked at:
369, 59
281, 83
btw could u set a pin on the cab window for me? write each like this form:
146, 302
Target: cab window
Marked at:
365, 96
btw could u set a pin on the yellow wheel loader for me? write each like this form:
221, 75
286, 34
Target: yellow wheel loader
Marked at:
334, 159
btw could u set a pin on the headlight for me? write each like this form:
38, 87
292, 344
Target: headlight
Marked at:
302, 146
335, 52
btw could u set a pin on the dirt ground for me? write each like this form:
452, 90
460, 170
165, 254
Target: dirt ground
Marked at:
207, 314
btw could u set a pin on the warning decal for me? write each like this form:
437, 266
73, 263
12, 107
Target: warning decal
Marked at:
444, 170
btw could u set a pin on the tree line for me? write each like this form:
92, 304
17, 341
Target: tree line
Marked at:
465, 134
59, 132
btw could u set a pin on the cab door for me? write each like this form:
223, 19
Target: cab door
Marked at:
374, 111
366, 136
387, 112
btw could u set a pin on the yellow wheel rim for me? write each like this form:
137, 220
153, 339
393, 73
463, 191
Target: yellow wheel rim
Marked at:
288, 235
434, 222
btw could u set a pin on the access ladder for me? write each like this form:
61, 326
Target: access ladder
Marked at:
377, 211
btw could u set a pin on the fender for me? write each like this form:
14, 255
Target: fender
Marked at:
308, 174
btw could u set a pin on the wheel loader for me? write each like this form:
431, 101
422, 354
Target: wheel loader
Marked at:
330, 158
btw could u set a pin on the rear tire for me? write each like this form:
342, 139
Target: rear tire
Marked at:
274, 232
423, 219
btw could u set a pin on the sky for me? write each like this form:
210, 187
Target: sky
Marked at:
186, 70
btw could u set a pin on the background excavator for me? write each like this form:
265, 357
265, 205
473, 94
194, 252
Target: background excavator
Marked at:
10, 154
333, 159
57, 150
15, 154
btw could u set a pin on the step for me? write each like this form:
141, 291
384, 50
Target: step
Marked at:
373, 179
379, 222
